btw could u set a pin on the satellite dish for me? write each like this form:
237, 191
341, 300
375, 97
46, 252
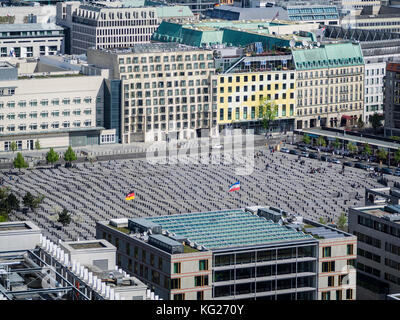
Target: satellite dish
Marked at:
292, 43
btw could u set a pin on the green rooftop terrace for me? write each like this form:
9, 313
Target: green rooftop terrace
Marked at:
230, 228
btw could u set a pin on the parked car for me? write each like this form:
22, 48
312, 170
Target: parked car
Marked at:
304, 154
285, 150
304, 148
313, 155
294, 152
387, 171
360, 165
334, 160
377, 169
397, 173
348, 164
324, 158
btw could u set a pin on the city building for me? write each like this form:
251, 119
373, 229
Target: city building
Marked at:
105, 24
28, 14
163, 90
244, 85
198, 7
55, 106
307, 13
380, 18
330, 85
34, 268
30, 40
210, 33
374, 75
231, 254
392, 99
377, 228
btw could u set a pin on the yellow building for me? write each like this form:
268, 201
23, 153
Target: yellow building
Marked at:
240, 93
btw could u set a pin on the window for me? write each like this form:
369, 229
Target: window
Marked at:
200, 295
176, 283
350, 249
200, 281
160, 263
179, 296
349, 294
326, 252
203, 265
128, 249
328, 266
326, 295
152, 259
331, 281
143, 255
177, 267
338, 294
136, 252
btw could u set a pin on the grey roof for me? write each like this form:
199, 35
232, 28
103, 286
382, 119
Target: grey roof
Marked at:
153, 47
29, 27
255, 13
165, 240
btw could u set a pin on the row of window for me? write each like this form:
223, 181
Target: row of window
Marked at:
316, 74
326, 295
368, 269
326, 82
45, 114
166, 75
252, 115
167, 84
167, 67
44, 126
327, 251
368, 255
166, 58
277, 96
44, 102
367, 239
379, 226
254, 88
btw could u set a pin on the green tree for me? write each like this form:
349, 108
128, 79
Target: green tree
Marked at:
321, 141
342, 222
367, 150
306, 139
37, 201
4, 204
70, 155
376, 121
322, 220
28, 200
64, 217
382, 154
360, 123
352, 148
397, 138
13, 146
397, 156
13, 202
19, 162
336, 143
37, 144
52, 156
268, 112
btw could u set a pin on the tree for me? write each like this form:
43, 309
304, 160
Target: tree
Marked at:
13, 146
70, 155
336, 143
382, 154
37, 201
64, 217
367, 150
360, 123
306, 139
322, 220
52, 156
352, 148
13, 202
4, 204
28, 200
268, 112
19, 162
37, 144
342, 222
321, 141
397, 138
376, 121
397, 156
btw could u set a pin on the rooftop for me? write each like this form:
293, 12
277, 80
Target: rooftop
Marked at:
225, 229
152, 47
29, 27
387, 212
14, 227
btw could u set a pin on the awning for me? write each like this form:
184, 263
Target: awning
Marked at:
346, 117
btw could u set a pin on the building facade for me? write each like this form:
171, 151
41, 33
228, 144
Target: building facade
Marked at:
30, 40
330, 85
166, 90
100, 27
58, 109
252, 81
377, 228
264, 261
375, 72
392, 99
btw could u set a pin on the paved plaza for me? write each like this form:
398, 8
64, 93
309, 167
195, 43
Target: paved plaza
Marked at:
93, 192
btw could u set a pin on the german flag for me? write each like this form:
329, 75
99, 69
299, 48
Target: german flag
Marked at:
130, 196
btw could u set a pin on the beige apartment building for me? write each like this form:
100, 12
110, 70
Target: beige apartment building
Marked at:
165, 90
56, 108
330, 85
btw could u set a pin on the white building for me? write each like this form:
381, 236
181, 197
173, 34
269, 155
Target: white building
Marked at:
30, 39
57, 108
374, 86
30, 14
